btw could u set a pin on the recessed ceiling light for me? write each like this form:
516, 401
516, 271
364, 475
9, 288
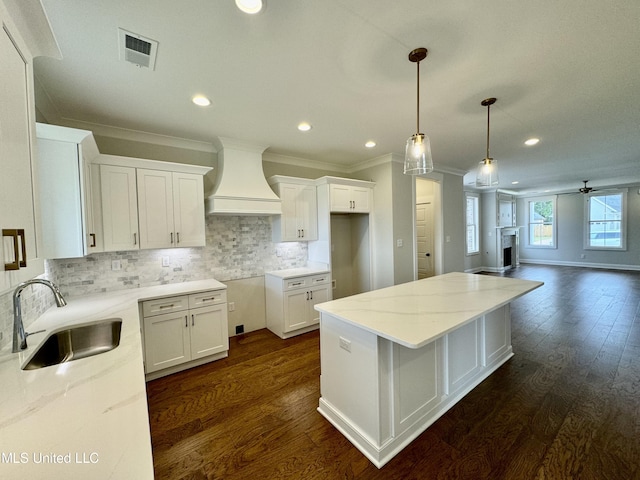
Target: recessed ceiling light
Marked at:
201, 101
370, 144
515, 182
304, 127
531, 142
249, 6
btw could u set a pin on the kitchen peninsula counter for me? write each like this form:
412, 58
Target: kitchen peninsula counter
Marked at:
86, 418
394, 360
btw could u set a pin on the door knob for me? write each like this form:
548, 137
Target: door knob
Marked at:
427, 254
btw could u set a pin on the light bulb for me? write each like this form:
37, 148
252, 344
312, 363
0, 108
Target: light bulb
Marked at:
249, 6
418, 158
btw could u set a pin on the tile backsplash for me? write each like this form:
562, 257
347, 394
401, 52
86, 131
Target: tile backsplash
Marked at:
237, 247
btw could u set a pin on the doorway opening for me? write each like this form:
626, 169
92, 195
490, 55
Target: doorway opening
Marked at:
428, 227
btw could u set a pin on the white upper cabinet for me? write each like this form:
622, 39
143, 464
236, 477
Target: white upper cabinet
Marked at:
151, 204
19, 249
171, 209
347, 198
69, 201
299, 219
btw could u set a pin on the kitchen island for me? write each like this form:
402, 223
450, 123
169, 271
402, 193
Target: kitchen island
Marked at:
396, 359
86, 418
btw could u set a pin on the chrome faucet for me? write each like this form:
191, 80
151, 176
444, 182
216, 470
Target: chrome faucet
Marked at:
19, 335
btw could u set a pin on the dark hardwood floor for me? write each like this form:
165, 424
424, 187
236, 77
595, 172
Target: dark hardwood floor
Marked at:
566, 406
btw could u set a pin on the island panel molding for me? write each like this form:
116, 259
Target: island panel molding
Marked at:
394, 360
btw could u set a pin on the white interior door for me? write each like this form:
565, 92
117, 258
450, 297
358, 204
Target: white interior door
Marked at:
424, 240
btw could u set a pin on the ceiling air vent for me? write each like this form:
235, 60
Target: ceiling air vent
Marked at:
137, 49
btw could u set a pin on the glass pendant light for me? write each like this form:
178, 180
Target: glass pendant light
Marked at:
417, 155
487, 174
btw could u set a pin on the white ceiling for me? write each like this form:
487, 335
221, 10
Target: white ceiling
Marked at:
565, 71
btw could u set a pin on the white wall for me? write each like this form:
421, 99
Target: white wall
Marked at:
570, 222
394, 219
453, 223
382, 221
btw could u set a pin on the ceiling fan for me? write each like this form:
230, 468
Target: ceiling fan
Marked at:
584, 190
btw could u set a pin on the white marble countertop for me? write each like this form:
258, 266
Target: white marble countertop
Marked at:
416, 313
86, 418
297, 272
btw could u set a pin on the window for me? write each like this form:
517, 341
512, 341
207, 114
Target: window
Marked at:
605, 220
541, 221
473, 224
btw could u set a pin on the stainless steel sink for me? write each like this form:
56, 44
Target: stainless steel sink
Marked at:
79, 341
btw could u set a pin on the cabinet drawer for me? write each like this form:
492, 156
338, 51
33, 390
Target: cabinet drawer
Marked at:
293, 283
165, 305
207, 298
320, 279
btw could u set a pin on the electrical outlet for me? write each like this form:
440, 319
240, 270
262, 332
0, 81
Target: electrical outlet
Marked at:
165, 261
232, 306
582, 255
399, 242
345, 344
116, 265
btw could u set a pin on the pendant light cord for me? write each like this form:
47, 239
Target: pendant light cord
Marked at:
488, 126
418, 101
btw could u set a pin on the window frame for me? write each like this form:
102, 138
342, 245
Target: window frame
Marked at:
623, 220
554, 224
476, 217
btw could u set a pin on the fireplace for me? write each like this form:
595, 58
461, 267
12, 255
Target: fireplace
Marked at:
506, 257
508, 240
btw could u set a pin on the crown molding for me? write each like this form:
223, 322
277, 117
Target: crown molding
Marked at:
303, 162
140, 136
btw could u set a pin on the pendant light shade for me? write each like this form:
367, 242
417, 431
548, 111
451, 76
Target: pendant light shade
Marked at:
487, 174
417, 155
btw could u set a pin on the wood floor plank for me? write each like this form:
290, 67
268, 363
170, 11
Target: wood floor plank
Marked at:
566, 406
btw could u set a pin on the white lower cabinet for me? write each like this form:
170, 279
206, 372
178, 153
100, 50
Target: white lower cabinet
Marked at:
184, 331
291, 301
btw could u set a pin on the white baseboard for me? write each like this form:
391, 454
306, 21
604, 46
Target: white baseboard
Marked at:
608, 266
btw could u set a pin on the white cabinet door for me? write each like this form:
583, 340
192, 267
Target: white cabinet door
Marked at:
61, 203
340, 196
166, 340
93, 208
307, 212
289, 218
16, 187
209, 332
360, 199
155, 208
296, 309
319, 294
188, 209
119, 208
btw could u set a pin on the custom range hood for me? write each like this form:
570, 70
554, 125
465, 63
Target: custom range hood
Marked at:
240, 187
